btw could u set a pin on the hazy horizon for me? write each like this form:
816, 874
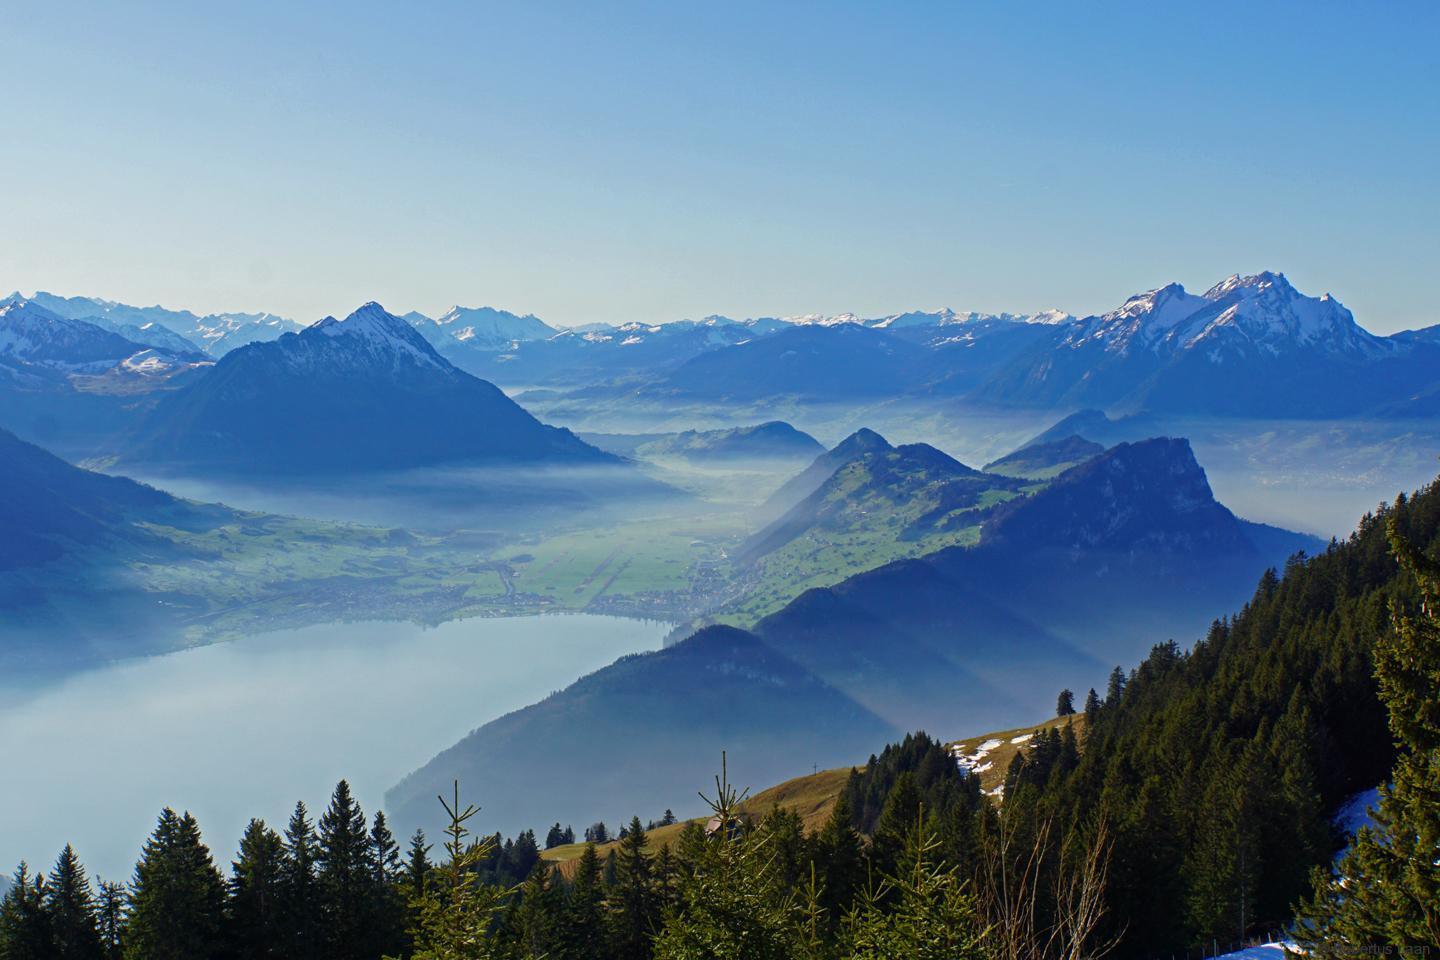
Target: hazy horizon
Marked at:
652, 163
402, 309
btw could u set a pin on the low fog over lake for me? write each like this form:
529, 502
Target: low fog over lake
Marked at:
244, 729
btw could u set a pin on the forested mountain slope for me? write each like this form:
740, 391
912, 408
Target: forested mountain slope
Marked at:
1220, 768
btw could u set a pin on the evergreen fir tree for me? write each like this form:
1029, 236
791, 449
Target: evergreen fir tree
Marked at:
539, 914
840, 857
346, 872
1225, 871
607, 870
389, 910
257, 890
731, 903
933, 916
666, 873
524, 855
457, 907
384, 851
300, 905
25, 930
584, 936
555, 837
788, 846
417, 864
1092, 703
1386, 890
177, 896
898, 818
110, 915
71, 905
1115, 687
1065, 704
634, 905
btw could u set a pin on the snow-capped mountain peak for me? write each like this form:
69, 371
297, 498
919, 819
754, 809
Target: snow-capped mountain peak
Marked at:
1266, 309
1053, 317
493, 325
1259, 311
1161, 308
30, 332
1143, 320
379, 335
1253, 285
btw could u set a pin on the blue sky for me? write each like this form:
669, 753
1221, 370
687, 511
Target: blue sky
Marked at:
652, 161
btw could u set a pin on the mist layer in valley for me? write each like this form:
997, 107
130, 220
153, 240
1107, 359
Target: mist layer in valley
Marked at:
244, 729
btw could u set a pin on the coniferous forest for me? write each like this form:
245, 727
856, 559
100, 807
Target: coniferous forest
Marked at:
1195, 812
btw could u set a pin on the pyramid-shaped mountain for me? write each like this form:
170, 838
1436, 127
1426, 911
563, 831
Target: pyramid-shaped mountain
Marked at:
364, 393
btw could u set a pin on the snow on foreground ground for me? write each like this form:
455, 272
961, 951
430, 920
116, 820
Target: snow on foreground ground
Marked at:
1262, 951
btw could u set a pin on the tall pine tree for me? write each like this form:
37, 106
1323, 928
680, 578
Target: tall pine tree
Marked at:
254, 918
389, 911
634, 904
585, 917
346, 875
111, 909
300, 905
71, 904
177, 896
25, 931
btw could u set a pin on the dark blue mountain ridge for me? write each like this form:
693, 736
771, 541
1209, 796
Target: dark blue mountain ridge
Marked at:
364, 393
771, 440
1121, 551
1070, 450
648, 729
49, 507
812, 362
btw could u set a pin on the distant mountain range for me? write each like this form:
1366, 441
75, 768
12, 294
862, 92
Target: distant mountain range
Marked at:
364, 393
78, 382
466, 333
215, 333
1124, 550
34, 336
772, 440
1249, 347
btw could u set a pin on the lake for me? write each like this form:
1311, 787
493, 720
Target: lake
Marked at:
244, 729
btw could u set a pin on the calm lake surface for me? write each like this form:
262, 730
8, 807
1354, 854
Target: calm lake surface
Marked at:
244, 729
